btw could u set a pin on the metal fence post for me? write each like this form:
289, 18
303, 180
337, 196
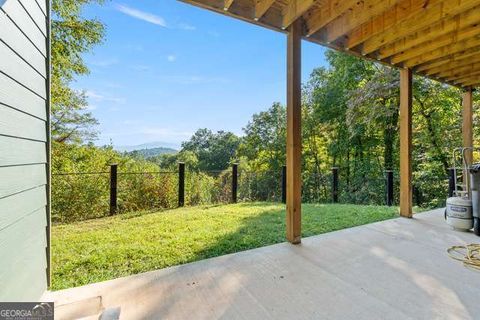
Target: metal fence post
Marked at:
451, 182
284, 184
113, 188
181, 184
234, 182
417, 195
389, 188
335, 185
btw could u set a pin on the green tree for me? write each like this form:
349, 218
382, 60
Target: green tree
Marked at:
214, 151
373, 111
264, 143
72, 36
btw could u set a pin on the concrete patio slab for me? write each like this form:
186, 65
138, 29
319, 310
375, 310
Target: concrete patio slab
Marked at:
395, 269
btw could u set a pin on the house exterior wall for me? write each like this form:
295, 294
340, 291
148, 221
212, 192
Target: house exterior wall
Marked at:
24, 149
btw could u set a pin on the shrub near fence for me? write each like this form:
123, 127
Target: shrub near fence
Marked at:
146, 191
81, 196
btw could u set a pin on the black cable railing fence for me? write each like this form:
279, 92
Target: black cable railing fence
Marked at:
85, 195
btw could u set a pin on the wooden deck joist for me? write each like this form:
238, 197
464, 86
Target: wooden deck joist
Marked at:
430, 37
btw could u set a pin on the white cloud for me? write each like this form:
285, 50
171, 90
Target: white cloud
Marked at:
171, 58
141, 15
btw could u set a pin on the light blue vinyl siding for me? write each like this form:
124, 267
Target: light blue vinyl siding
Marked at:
23, 149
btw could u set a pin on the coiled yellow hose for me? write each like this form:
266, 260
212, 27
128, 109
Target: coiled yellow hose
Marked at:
469, 255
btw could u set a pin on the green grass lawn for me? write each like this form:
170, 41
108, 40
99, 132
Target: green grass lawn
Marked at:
107, 248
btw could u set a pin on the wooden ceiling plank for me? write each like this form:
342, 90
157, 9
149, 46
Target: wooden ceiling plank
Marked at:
403, 10
261, 7
443, 52
436, 43
430, 15
472, 76
361, 13
462, 55
465, 77
458, 72
453, 65
475, 82
458, 24
294, 10
327, 12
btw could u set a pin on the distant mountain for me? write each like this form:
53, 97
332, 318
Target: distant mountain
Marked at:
153, 152
150, 145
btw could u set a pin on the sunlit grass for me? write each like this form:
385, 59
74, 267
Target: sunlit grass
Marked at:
107, 248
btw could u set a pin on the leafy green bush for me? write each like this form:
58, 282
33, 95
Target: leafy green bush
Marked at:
81, 184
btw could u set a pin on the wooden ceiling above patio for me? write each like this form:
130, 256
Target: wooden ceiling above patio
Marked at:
436, 38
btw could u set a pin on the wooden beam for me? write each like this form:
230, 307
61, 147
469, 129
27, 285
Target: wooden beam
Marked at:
455, 28
467, 127
462, 55
459, 72
427, 17
402, 11
406, 143
471, 82
472, 76
443, 41
452, 66
467, 120
294, 133
362, 12
466, 78
227, 4
261, 7
326, 13
294, 10
442, 52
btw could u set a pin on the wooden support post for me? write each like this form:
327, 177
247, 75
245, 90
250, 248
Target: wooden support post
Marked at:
294, 132
389, 188
335, 185
113, 188
467, 130
406, 143
284, 184
234, 182
181, 184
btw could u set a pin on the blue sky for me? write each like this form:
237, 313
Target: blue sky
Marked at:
168, 68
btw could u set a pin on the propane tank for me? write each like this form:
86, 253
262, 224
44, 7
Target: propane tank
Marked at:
459, 213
